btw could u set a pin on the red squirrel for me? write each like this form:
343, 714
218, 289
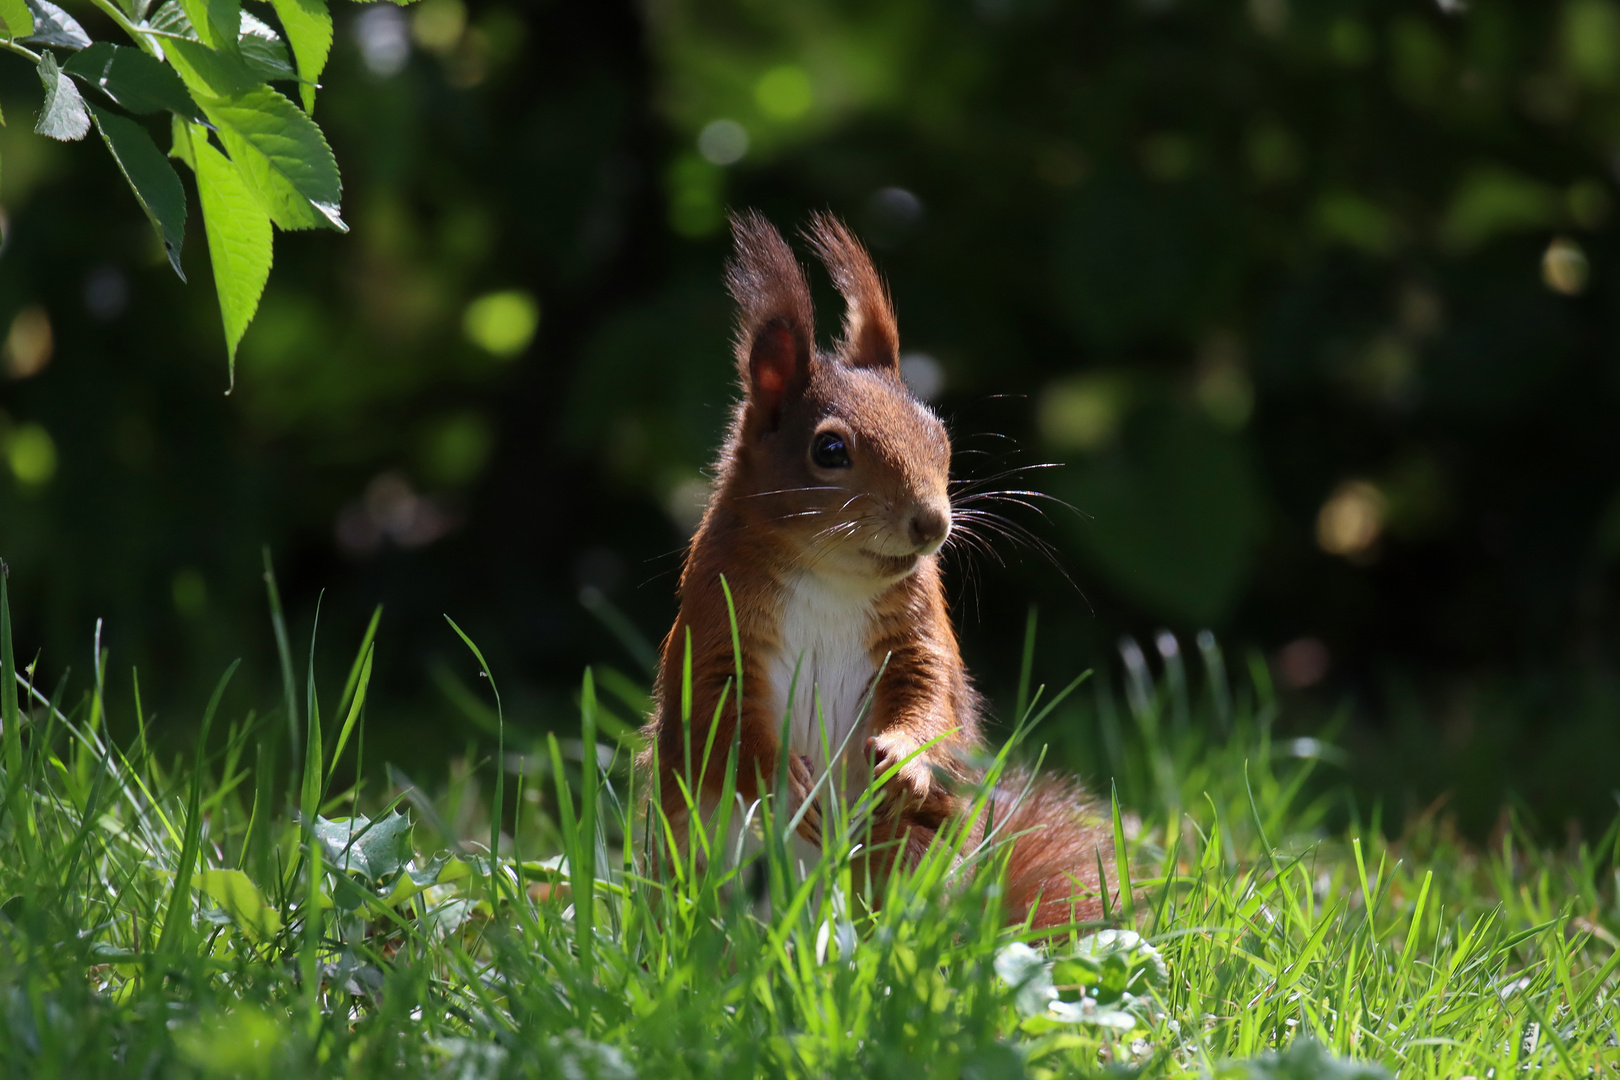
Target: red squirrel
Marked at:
830, 506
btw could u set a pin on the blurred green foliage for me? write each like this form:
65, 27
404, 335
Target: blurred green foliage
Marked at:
1313, 303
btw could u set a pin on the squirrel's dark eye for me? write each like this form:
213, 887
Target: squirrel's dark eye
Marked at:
829, 451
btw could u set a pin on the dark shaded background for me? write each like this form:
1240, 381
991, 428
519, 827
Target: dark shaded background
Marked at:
1314, 304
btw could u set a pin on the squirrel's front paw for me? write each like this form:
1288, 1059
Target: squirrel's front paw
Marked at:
912, 778
801, 783
913, 786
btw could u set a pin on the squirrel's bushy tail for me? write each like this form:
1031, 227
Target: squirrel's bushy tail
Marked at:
1059, 845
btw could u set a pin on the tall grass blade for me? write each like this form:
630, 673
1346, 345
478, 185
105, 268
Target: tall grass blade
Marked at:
177, 918
11, 721
278, 623
1026, 667
1122, 864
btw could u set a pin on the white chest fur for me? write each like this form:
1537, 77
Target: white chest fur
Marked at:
824, 632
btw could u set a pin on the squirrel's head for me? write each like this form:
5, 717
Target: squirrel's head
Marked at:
830, 448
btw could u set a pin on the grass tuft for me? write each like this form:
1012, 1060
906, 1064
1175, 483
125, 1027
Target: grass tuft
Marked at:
223, 918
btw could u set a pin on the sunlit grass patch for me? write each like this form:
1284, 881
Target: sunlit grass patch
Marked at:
235, 915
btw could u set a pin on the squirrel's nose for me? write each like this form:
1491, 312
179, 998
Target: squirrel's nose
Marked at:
928, 526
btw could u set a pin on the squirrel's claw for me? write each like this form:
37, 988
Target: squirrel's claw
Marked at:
914, 791
801, 782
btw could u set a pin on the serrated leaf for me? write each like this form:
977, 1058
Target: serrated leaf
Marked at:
448, 917
1124, 960
133, 79
218, 23
239, 239
1030, 977
150, 176
207, 72
282, 156
308, 24
18, 19
63, 115
53, 26
414, 880
263, 51
180, 142
171, 19
376, 850
236, 894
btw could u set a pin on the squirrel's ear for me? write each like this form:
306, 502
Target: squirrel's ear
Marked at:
775, 325
870, 337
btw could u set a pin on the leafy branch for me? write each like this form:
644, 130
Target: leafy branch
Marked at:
260, 162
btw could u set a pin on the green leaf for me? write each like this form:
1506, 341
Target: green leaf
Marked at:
308, 24
1029, 975
376, 850
63, 115
239, 239
209, 73
180, 146
53, 26
171, 19
416, 878
1305, 1059
1123, 959
283, 157
20, 21
235, 892
134, 80
263, 51
218, 23
151, 177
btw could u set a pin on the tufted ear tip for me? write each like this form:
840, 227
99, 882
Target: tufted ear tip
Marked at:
871, 339
775, 325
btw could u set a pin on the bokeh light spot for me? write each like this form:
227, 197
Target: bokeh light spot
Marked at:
1274, 154
502, 323
894, 210
695, 188
923, 375
1082, 413
1564, 268
1591, 45
385, 41
457, 448
29, 343
1224, 389
190, 591
1270, 16
106, 293
723, 142
31, 453
1167, 156
784, 93
1303, 662
1352, 519
1493, 200
687, 500
437, 25
1347, 218
1350, 42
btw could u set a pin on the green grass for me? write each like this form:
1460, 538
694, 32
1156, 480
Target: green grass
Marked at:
229, 914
